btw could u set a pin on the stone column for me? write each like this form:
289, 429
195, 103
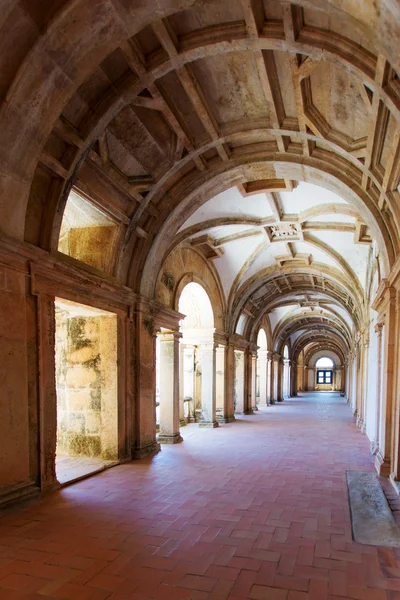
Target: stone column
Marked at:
280, 378
254, 381
239, 382
47, 393
293, 379
220, 383
208, 398
169, 388
364, 387
182, 419
286, 380
270, 379
249, 383
109, 390
384, 457
229, 384
189, 382
262, 361
145, 386
375, 442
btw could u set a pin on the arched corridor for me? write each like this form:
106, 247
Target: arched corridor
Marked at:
200, 272
245, 528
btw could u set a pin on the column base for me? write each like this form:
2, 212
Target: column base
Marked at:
230, 419
208, 424
164, 438
271, 402
18, 493
280, 399
145, 451
373, 447
395, 484
382, 465
182, 422
248, 411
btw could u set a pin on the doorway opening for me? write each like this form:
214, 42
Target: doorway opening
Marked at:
197, 330
87, 390
262, 376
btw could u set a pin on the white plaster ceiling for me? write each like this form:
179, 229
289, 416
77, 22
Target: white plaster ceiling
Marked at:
309, 228
307, 195
230, 204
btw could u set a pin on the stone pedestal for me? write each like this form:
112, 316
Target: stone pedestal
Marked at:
169, 388
208, 398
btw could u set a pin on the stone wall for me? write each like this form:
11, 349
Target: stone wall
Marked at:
86, 367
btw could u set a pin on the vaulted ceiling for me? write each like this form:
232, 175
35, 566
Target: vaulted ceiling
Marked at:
262, 132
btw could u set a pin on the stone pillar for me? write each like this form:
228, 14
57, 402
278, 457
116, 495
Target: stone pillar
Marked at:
47, 393
229, 410
189, 382
254, 381
182, 419
375, 442
263, 366
361, 383
293, 379
249, 382
280, 378
270, 379
220, 383
364, 387
169, 388
109, 390
208, 398
286, 379
145, 386
305, 379
239, 382
389, 425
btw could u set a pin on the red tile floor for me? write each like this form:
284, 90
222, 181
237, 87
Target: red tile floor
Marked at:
255, 509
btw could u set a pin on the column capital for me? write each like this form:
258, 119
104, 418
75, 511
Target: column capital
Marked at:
169, 336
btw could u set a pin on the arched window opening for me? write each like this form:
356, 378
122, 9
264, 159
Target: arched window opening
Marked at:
262, 369
324, 373
197, 330
324, 363
198, 359
87, 233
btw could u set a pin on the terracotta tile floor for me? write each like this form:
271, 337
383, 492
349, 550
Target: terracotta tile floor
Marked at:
255, 509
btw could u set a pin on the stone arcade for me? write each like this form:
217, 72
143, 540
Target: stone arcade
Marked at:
199, 220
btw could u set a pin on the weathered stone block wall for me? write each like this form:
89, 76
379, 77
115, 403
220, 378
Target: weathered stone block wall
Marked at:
86, 363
